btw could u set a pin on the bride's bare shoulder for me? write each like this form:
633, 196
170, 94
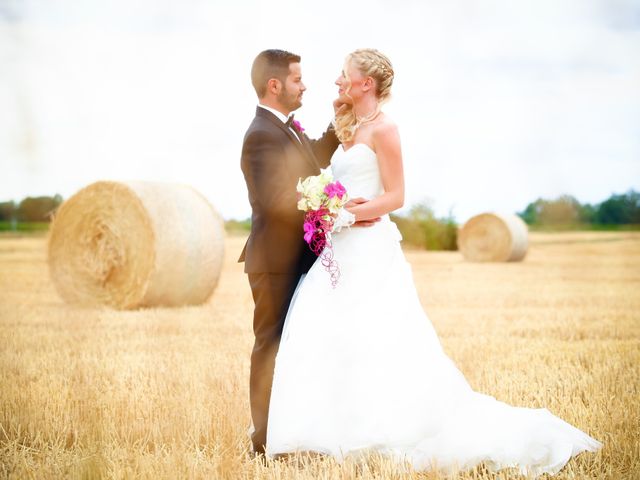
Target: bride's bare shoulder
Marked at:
385, 130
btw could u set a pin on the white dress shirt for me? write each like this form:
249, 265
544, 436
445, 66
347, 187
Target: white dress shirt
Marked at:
282, 117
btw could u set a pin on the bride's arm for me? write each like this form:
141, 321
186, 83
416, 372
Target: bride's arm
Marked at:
386, 143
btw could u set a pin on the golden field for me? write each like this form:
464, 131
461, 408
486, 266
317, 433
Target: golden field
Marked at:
163, 393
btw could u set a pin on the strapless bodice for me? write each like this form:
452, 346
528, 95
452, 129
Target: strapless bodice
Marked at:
357, 169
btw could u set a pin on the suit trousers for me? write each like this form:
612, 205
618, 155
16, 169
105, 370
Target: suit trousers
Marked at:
272, 294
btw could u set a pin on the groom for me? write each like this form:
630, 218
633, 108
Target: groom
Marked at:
275, 154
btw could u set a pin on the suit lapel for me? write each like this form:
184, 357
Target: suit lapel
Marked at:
301, 144
307, 146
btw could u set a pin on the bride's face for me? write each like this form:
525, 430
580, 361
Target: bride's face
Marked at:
352, 84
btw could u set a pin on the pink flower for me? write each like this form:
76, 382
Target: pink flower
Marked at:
316, 225
333, 189
309, 230
297, 126
318, 197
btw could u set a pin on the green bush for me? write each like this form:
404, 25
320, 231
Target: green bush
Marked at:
421, 229
238, 226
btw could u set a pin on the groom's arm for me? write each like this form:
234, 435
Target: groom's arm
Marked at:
268, 181
324, 147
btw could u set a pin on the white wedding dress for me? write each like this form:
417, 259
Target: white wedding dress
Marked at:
360, 367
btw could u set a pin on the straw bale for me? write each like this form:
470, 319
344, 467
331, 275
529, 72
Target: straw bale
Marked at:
136, 244
493, 237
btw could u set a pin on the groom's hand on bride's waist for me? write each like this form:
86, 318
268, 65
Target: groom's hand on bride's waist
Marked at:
361, 223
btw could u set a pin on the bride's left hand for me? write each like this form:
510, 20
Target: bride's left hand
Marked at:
361, 223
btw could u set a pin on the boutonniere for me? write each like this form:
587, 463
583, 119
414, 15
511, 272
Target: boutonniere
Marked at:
297, 126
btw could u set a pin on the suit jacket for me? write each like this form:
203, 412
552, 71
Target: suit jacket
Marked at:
272, 162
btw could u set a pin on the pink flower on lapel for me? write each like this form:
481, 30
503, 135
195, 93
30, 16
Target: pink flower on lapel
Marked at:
297, 126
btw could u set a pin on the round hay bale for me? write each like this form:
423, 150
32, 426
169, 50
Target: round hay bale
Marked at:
493, 237
136, 244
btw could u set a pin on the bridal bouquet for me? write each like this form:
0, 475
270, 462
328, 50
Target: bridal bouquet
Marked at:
323, 200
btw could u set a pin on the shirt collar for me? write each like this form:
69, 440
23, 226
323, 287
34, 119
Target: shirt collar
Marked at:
282, 117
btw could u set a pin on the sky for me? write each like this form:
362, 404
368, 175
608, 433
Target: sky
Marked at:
498, 102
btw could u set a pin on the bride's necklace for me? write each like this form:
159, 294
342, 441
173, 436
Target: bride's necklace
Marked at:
367, 118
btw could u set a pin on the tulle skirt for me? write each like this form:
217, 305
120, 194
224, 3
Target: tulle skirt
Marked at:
361, 369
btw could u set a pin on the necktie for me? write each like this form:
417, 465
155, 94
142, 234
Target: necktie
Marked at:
289, 122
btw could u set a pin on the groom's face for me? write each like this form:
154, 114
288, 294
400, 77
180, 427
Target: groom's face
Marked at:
290, 96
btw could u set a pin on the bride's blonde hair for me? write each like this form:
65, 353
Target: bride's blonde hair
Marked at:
371, 63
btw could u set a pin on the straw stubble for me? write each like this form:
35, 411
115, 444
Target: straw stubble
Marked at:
163, 392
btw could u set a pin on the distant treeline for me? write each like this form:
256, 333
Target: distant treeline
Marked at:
32, 213
420, 227
618, 209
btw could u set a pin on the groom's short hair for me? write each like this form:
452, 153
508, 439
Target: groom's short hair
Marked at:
271, 64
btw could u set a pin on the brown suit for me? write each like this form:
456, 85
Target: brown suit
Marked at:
275, 254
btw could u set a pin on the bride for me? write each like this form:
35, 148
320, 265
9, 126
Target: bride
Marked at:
360, 367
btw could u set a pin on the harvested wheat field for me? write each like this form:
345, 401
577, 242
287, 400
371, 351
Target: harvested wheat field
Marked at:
162, 393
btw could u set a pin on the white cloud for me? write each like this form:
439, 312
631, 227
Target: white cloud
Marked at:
498, 102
